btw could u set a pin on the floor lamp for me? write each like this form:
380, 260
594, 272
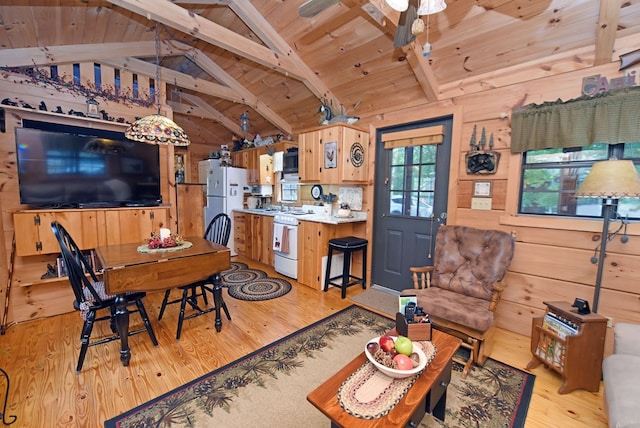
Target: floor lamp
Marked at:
610, 181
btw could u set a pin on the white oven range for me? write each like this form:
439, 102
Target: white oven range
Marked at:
285, 228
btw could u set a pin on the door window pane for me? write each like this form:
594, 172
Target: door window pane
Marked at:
412, 182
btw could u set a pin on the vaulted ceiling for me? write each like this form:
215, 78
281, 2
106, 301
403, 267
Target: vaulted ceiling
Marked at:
221, 58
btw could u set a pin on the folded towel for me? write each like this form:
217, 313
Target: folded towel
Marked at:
285, 239
278, 230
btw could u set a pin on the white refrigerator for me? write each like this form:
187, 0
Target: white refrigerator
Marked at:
225, 187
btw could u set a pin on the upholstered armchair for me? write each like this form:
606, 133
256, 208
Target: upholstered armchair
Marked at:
461, 291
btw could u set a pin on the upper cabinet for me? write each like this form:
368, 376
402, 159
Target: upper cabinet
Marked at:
259, 161
334, 155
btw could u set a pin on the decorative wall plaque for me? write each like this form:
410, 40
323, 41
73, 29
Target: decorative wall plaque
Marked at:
356, 154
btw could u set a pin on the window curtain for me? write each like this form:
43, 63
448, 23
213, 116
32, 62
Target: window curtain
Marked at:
612, 117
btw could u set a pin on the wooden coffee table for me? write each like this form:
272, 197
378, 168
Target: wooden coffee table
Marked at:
427, 395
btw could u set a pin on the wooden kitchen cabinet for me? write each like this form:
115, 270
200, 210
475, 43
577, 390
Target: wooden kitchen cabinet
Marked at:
253, 236
313, 246
250, 159
348, 154
267, 255
309, 150
253, 164
240, 233
261, 239
240, 158
309, 253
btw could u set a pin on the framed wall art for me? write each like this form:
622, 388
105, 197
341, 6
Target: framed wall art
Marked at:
331, 154
482, 189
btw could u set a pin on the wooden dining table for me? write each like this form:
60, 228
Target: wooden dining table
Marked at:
125, 269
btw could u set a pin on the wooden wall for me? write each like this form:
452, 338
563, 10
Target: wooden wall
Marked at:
552, 256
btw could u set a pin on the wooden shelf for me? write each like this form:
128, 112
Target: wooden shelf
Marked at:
59, 115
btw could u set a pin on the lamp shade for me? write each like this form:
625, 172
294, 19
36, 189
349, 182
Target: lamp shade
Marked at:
157, 129
427, 7
611, 179
399, 5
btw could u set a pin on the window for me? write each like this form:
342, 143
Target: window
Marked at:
289, 192
97, 76
550, 178
412, 182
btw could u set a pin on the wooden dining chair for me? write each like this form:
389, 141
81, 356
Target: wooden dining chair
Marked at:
218, 231
91, 296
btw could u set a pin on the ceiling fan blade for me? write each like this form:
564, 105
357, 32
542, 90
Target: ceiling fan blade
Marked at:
404, 36
313, 7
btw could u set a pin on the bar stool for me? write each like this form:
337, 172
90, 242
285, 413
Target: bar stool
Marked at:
347, 245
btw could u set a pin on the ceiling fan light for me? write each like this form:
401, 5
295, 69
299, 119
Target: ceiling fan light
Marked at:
427, 7
399, 5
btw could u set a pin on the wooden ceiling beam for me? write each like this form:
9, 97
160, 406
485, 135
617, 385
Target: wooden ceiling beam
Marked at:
66, 54
606, 30
211, 113
422, 70
254, 20
183, 20
413, 51
214, 70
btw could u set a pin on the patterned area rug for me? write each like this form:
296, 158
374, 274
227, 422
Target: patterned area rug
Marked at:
253, 284
268, 388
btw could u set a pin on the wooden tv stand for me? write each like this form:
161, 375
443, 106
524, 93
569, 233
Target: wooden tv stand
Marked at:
577, 357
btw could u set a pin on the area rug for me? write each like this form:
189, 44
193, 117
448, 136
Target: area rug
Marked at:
268, 388
245, 283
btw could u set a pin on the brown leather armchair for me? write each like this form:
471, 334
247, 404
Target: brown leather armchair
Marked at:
461, 291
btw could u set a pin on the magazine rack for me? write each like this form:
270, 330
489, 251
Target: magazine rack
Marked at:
571, 344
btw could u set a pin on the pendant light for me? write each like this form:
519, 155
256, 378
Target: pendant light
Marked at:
156, 128
399, 5
427, 7
244, 122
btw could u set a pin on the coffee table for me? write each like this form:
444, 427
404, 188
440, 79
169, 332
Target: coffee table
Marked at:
427, 395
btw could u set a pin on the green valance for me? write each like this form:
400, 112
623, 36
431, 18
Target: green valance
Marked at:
612, 117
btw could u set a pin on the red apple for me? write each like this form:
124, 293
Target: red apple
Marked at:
386, 343
403, 362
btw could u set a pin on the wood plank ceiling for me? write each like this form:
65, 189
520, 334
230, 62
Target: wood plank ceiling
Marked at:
223, 57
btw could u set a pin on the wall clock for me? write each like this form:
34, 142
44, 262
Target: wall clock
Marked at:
316, 192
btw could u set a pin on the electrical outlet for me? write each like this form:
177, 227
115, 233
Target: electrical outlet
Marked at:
481, 204
609, 322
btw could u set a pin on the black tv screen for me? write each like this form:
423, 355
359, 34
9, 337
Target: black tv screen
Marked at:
67, 166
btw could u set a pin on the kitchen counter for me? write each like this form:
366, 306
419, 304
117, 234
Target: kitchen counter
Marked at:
356, 216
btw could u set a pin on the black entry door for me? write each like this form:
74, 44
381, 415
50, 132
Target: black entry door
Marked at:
411, 189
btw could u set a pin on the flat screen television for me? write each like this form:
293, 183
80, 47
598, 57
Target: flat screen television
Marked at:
63, 166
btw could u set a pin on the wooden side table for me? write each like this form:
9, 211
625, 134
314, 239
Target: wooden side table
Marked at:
575, 355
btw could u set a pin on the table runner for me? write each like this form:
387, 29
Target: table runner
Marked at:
370, 394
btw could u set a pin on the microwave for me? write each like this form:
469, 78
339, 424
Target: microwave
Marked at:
290, 162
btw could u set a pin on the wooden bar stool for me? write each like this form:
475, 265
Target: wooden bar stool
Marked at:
347, 245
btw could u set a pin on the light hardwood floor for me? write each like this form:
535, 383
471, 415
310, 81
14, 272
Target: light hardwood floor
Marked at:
40, 357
